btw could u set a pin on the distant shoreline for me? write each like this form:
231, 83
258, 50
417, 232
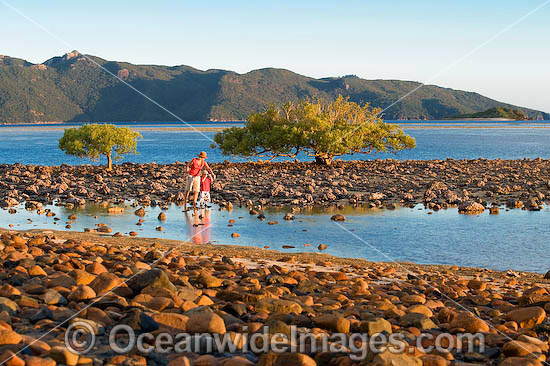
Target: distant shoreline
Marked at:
213, 128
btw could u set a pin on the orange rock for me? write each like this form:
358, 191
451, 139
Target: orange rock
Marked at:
527, 317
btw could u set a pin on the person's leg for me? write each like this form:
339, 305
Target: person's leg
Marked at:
188, 184
196, 189
195, 197
185, 198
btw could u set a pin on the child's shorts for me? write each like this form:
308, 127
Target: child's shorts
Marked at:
205, 197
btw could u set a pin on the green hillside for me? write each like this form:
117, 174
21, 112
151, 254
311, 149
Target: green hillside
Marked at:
73, 88
499, 113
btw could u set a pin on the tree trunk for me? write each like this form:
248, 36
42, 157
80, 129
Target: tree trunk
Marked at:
109, 161
323, 159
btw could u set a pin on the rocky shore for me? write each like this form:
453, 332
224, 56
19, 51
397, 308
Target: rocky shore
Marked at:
471, 185
50, 280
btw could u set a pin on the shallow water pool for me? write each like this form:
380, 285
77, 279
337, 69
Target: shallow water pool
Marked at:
515, 239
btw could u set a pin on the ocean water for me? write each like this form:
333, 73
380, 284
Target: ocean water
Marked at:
167, 145
514, 239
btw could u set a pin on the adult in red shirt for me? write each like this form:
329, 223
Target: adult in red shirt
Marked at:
193, 170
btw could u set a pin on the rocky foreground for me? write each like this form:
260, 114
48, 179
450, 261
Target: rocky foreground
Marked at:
472, 185
51, 280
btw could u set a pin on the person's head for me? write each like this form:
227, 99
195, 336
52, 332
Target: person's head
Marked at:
202, 155
204, 172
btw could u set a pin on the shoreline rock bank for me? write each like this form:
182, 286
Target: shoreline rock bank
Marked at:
437, 184
51, 278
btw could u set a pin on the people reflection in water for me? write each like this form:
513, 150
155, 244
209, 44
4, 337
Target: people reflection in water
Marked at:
198, 225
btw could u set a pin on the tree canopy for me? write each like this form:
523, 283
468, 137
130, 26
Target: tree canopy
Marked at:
320, 129
93, 140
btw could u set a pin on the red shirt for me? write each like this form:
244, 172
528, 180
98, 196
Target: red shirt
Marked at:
195, 167
205, 184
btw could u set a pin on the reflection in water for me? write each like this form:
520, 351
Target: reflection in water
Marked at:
198, 225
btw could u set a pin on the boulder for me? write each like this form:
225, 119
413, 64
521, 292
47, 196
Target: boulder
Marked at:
338, 217
205, 320
153, 278
527, 317
471, 207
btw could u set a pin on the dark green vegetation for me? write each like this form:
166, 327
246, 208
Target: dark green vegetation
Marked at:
93, 140
504, 113
319, 129
72, 88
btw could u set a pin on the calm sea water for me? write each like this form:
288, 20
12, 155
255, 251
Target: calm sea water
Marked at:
165, 145
514, 239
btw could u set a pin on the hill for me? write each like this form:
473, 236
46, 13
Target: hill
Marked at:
496, 113
73, 88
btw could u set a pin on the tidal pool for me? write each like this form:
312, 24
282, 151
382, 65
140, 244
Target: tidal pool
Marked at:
514, 239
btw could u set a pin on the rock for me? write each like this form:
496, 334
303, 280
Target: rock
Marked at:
63, 356
208, 281
9, 291
470, 207
378, 325
171, 322
477, 285
420, 309
388, 358
115, 210
527, 317
37, 271
52, 297
8, 305
419, 321
338, 217
434, 360
322, 247
182, 361
288, 217
519, 349
9, 337
82, 277
138, 320
96, 268
140, 212
278, 306
9, 358
332, 322
286, 359
413, 299
161, 216
235, 235
519, 361
153, 255
470, 323
104, 283
153, 278
39, 361
82, 293
205, 320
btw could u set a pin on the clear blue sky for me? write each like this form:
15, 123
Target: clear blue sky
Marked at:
399, 39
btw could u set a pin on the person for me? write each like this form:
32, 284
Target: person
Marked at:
193, 169
205, 188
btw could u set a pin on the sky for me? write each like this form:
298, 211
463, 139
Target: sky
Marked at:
399, 39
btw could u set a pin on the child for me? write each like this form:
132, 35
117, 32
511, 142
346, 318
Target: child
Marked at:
205, 188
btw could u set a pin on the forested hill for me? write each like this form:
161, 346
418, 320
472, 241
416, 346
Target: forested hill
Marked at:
73, 88
496, 113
